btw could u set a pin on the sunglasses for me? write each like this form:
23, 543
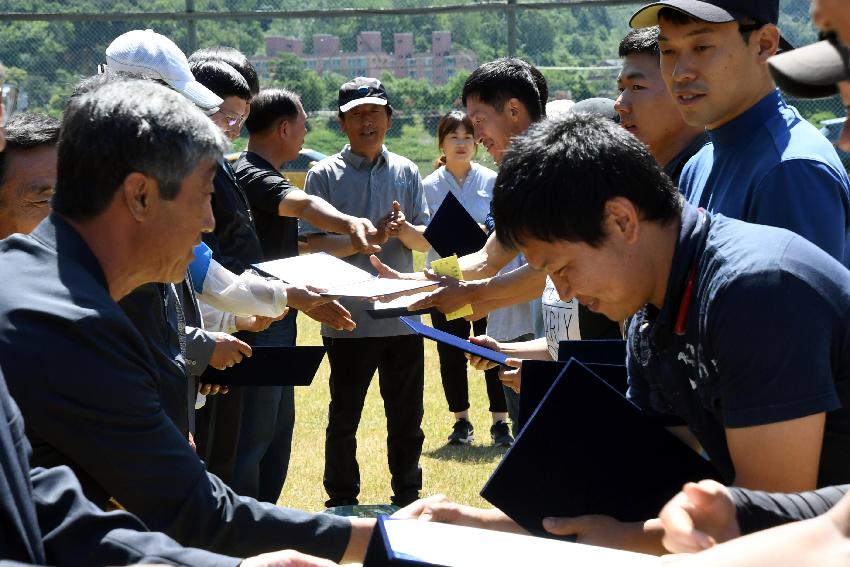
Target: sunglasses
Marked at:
231, 119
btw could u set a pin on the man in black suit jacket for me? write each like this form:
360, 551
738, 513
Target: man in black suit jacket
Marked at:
80, 370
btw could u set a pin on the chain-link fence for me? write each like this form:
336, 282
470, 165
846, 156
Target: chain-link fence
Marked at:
422, 49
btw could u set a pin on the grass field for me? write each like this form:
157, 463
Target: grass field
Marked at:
458, 472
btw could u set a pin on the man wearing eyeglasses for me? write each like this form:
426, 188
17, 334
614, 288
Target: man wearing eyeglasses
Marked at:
765, 164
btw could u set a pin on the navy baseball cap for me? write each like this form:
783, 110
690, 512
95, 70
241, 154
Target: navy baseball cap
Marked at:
714, 11
812, 71
362, 90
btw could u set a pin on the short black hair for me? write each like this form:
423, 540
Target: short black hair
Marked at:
25, 131
746, 25
555, 179
271, 106
221, 78
128, 126
640, 41
496, 82
232, 57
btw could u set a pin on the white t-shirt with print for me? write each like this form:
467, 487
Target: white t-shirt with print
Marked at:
560, 319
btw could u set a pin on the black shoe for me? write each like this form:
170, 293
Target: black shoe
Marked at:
334, 502
402, 501
461, 433
501, 434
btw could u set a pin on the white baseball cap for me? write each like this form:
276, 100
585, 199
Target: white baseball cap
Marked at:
153, 55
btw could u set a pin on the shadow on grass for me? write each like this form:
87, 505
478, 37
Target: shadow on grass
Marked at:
467, 453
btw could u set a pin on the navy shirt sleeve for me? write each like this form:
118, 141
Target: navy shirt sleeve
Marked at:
809, 198
104, 415
771, 347
76, 532
758, 510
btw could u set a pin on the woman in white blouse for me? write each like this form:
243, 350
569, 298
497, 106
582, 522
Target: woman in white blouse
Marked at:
472, 185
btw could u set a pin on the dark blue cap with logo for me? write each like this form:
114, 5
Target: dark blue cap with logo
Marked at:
714, 11
362, 90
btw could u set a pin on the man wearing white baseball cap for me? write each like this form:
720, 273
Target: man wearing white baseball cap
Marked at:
154, 56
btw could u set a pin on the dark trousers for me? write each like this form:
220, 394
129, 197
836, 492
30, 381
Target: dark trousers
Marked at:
453, 366
268, 418
399, 361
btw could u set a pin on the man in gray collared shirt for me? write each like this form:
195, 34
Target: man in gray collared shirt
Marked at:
366, 180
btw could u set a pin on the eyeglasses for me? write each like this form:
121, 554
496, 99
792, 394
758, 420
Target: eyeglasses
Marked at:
232, 120
10, 101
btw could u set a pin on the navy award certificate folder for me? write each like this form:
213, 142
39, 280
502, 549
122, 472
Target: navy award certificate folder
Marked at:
452, 230
451, 340
271, 366
413, 542
588, 450
539, 375
603, 351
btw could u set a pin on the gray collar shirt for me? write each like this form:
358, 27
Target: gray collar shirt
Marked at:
361, 188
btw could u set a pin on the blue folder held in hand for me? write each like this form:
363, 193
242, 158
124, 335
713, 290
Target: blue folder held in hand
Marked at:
452, 230
588, 450
271, 366
451, 340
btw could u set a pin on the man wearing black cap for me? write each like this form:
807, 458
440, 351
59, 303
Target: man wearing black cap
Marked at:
766, 164
366, 180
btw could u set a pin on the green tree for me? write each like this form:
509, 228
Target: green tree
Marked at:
288, 71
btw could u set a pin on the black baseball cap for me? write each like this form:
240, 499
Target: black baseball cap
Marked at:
812, 71
715, 11
362, 90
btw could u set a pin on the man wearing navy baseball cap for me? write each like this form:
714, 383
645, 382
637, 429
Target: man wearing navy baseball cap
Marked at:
366, 180
765, 163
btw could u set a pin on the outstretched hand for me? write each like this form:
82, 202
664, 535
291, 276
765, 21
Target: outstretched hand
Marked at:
700, 516
364, 236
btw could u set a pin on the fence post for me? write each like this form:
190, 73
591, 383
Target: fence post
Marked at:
191, 28
511, 21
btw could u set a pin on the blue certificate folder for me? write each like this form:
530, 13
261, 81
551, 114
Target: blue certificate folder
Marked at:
452, 230
588, 450
451, 340
539, 375
271, 366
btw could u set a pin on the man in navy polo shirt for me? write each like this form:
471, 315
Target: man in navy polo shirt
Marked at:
738, 337
765, 164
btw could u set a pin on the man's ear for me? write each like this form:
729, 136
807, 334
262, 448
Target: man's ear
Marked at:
621, 217
282, 128
138, 191
514, 107
768, 42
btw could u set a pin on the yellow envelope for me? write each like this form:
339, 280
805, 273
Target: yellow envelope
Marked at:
449, 266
